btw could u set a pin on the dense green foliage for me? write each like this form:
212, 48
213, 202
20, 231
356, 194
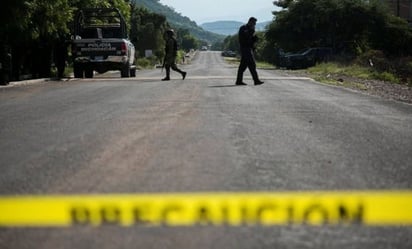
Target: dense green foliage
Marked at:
231, 42
351, 27
366, 30
346, 25
147, 31
186, 40
31, 29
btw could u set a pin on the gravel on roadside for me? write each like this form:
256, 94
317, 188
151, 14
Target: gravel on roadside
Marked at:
387, 90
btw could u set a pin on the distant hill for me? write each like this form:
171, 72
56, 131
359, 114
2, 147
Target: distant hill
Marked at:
229, 27
179, 21
222, 27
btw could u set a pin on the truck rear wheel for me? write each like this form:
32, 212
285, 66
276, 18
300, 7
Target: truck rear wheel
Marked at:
125, 72
4, 79
88, 73
133, 72
77, 71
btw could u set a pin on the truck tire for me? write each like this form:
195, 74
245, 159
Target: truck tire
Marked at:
133, 72
125, 72
88, 73
77, 71
4, 79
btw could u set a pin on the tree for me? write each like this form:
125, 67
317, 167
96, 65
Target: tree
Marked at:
341, 24
186, 40
231, 42
147, 31
14, 19
28, 31
30, 28
389, 33
49, 21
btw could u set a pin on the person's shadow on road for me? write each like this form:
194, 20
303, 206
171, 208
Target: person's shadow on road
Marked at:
222, 86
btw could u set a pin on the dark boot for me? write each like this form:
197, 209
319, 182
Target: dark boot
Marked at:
167, 74
181, 72
239, 78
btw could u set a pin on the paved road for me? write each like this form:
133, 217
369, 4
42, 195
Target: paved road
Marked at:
113, 135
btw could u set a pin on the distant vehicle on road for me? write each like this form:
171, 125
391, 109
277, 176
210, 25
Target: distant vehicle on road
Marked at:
101, 44
306, 58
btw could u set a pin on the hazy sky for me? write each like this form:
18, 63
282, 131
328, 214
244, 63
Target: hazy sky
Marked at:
220, 10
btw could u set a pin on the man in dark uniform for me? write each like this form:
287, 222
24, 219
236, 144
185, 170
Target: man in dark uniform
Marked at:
60, 56
5, 65
247, 40
170, 55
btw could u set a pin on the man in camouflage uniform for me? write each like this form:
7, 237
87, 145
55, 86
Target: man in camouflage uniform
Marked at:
170, 55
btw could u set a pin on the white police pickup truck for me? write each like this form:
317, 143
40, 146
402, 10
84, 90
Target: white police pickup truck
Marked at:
100, 43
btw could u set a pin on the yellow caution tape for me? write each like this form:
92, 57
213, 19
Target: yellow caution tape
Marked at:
374, 208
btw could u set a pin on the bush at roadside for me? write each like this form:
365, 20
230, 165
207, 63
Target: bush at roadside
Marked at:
398, 70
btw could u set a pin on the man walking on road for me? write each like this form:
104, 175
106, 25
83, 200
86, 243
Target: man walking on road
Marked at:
170, 55
247, 40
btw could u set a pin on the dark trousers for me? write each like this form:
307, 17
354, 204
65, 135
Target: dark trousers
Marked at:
247, 60
174, 67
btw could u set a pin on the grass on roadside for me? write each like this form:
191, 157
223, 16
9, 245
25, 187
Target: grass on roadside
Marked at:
146, 62
232, 60
325, 69
259, 64
150, 62
349, 76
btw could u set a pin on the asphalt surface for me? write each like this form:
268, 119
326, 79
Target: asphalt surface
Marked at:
143, 135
